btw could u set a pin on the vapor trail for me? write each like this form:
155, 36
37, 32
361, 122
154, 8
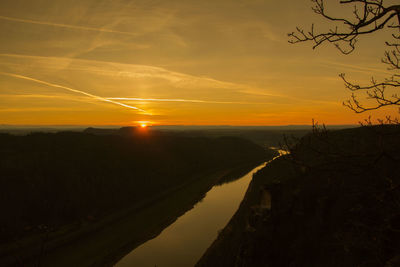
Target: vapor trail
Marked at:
183, 100
170, 100
72, 90
64, 25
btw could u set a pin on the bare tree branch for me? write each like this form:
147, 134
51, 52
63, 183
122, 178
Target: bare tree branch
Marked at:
369, 16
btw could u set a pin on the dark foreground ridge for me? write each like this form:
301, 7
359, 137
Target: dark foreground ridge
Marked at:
335, 201
68, 193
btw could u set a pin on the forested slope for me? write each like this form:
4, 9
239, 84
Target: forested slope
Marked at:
335, 201
48, 180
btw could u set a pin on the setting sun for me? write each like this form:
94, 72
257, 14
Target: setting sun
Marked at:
143, 124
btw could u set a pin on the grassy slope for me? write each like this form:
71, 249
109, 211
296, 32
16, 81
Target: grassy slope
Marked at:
336, 204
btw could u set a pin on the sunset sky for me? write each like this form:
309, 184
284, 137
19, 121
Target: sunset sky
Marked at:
190, 62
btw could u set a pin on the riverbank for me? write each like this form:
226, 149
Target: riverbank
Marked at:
333, 202
183, 242
58, 189
104, 242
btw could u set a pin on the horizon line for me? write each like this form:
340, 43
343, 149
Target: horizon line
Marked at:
164, 125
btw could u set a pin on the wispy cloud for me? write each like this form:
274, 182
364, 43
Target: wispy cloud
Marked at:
35, 109
133, 99
360, 68
38, 96
149, 75
75, 27
72, 90
63, 97
180, 100
136, 71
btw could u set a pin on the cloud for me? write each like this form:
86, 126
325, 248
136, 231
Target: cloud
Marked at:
360, 68
137, 71
34, 109
75, 27
150, 76
179, 100
72, 90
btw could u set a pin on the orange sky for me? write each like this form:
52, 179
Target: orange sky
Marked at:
117, 62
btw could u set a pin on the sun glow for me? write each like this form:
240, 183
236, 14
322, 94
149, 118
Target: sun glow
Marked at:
143, 124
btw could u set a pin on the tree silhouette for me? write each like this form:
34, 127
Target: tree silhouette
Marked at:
368, 16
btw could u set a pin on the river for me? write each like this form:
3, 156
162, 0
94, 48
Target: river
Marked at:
185, 241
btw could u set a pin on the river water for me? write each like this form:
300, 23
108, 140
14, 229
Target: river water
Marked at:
185, 241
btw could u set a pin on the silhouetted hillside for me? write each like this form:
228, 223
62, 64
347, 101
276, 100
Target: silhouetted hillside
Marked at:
48, 180
335, 201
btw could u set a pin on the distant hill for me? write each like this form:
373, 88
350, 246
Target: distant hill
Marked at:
265, 136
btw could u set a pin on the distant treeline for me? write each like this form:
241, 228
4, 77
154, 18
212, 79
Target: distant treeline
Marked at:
268, 137
50, 179
265, 136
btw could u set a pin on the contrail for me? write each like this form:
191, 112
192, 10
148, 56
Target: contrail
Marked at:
175, 100
65, 25
165, 100
72, 90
